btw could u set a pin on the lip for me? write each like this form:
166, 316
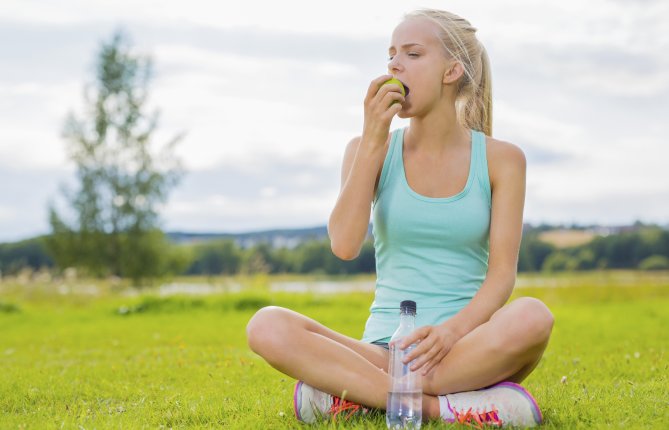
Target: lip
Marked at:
406, 89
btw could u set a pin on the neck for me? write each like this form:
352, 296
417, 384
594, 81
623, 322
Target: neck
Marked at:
437, 131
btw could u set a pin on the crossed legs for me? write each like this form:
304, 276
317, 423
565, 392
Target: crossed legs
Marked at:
507, 347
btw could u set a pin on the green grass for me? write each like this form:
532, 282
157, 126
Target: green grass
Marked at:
111, 361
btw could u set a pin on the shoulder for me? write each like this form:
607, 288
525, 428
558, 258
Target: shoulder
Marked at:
504, 159
504, 154
354, 144
349, 157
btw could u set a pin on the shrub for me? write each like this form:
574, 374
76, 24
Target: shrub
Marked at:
654, 262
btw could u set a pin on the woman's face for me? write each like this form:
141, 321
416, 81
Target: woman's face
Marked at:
417, 58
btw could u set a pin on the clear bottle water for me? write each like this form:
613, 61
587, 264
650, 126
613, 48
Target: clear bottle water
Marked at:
404, 408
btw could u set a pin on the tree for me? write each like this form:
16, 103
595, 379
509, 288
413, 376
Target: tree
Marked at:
533, 252
27, 254
654, 262
114, 225
216, 258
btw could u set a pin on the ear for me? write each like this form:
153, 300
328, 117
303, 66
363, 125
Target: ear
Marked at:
453, 72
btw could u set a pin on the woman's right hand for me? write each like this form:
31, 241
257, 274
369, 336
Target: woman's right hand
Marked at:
380, 110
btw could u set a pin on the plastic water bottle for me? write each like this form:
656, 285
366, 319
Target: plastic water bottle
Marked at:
404, 408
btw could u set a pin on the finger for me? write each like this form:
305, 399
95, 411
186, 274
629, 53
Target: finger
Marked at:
393, 110
387, 94
389, 88
408, 340
425, 359
431, 350
419, 364
434, 361
427, 369
375, 85
413, 337
423, 348
442, 354
392, 97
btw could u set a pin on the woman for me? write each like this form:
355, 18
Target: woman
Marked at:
447, 208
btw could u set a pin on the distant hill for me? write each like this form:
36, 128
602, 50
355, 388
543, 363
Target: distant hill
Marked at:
276, 238
559, 235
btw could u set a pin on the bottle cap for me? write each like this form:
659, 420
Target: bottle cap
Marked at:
408, 307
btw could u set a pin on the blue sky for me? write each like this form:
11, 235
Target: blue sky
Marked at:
269, 93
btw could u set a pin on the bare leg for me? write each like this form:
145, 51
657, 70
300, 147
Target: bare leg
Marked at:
507, 347
304, 349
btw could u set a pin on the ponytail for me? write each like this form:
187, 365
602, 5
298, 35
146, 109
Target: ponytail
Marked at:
473, 100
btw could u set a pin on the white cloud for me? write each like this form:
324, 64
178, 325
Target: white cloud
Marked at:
234, 107
31, 118
623, 82
224, 213
7, 214
538, 129
352, 18
30, 147
35, 12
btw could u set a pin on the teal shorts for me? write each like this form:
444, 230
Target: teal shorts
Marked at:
381, 344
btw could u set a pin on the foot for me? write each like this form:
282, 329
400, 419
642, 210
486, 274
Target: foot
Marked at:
312, 405
502, 404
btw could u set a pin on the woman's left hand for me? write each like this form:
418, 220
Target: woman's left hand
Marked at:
432, 345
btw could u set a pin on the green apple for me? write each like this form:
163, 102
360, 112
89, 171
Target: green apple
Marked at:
398, 83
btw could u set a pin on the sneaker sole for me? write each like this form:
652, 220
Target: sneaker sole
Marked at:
297, 403
536, 412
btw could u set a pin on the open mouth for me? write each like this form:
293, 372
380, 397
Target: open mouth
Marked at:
406, 89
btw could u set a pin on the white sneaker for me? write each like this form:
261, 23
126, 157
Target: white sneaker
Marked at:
502, 404
311, 405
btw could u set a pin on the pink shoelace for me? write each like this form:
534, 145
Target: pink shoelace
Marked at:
478, 419
347, 407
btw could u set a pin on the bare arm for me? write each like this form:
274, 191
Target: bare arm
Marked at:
363, 159
349, 220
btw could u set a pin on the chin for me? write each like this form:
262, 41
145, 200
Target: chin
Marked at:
402, 114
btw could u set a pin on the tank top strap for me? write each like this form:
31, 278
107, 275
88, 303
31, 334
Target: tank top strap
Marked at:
479, 148
390, 163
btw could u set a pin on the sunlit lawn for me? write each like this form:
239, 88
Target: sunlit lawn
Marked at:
75, 361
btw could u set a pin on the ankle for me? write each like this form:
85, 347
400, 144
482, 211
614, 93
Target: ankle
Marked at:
431, 407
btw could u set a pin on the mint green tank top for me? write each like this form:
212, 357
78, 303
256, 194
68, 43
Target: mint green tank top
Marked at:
433, 251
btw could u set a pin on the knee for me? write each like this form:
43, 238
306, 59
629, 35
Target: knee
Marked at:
530, 323
263, 329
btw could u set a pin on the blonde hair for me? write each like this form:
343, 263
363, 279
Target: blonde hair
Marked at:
473, 100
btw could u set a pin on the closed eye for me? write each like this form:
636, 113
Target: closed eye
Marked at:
410, 54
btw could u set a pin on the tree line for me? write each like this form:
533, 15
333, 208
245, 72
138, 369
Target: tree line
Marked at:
644, 248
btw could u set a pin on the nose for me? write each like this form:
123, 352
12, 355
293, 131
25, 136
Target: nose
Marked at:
394, 65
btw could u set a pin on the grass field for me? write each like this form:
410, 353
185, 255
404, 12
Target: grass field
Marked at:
99, 359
